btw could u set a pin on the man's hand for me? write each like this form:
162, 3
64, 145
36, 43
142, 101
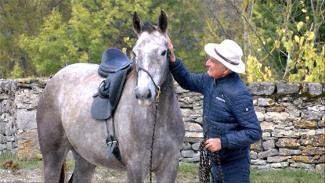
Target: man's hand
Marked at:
213, 144
170, 46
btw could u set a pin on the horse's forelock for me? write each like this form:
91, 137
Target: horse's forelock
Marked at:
149, 27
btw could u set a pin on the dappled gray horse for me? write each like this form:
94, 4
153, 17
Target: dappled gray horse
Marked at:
64, 120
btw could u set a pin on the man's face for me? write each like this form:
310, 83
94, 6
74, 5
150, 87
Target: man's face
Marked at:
215, 68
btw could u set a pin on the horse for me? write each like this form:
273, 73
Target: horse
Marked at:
64, 120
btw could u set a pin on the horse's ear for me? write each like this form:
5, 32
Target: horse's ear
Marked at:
162, 23
137, 25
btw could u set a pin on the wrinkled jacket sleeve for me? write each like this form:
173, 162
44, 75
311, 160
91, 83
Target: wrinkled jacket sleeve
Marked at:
187, 80
243, 110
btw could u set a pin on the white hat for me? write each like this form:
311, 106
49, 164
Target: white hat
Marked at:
229, 53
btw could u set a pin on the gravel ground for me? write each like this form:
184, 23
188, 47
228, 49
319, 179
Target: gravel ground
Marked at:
102, 175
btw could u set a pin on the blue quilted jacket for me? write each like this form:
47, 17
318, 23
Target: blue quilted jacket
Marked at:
228, 111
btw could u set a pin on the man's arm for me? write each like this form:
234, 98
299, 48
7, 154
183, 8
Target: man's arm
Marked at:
187, 80
243, 109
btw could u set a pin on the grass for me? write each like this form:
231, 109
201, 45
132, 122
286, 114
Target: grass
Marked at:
22, 164
188, 172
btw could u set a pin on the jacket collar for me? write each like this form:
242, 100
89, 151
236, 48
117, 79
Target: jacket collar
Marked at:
226, 78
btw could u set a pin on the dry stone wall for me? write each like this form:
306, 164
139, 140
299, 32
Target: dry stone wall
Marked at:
292, 116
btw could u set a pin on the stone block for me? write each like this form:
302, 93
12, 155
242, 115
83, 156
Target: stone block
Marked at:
193, 137
3, 139
26, 120
193, 127
2, 128
187, 153
287, 143
302, 165
196, 146
269, 144
267, 126
277, 108
287, 88
194, 159
310, 150
303, 123
321, 159
258, 162
28, 145
268, 153
263, 102
261, 88
305, 159
313, 89
277, 159
276, 116
313, 140
285, 133
257, 146
287, 152
279, 165
311, 115
321, 123
260, 116
3, 147
186, 146
320, 168
253, 155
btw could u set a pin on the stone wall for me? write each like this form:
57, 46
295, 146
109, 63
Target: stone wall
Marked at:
292, 117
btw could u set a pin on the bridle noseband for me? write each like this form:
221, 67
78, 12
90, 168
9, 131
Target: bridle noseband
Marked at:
138, 68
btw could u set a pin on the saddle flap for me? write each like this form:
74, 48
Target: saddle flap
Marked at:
101, 108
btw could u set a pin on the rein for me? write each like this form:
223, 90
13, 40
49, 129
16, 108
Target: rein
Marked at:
158, 90
206, 164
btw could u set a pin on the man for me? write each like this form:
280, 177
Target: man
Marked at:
230, 124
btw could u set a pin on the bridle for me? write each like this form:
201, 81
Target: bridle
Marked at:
138, 68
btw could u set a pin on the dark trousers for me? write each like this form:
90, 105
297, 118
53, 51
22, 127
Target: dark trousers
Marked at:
236, 171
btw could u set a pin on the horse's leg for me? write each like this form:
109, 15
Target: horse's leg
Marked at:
53, 142
135, 172
167, 170
83, 171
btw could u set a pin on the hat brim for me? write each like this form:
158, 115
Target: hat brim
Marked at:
209, 49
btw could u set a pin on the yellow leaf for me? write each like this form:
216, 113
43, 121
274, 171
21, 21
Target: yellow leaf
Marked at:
300, 25
297, 39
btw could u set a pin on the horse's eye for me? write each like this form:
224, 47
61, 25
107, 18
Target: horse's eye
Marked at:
163, 53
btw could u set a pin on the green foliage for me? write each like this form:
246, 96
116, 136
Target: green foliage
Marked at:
255, 72
95, 26
305, 61
38, 37
21, 17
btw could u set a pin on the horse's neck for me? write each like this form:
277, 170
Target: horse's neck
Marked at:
168, 86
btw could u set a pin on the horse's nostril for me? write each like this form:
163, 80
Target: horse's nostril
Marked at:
137, 95
149, 94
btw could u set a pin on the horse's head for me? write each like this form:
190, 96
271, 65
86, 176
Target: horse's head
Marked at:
150, 56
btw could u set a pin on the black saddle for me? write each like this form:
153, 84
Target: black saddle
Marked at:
114, 66
113, 60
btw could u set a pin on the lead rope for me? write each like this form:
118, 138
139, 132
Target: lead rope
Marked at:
206, 164
153, 132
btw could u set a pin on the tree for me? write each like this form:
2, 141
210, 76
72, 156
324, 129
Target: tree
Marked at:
97, 25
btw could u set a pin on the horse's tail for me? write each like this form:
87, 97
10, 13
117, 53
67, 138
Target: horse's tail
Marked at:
62, 175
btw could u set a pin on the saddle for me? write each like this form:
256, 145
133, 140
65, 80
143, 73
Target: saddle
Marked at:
115, 67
